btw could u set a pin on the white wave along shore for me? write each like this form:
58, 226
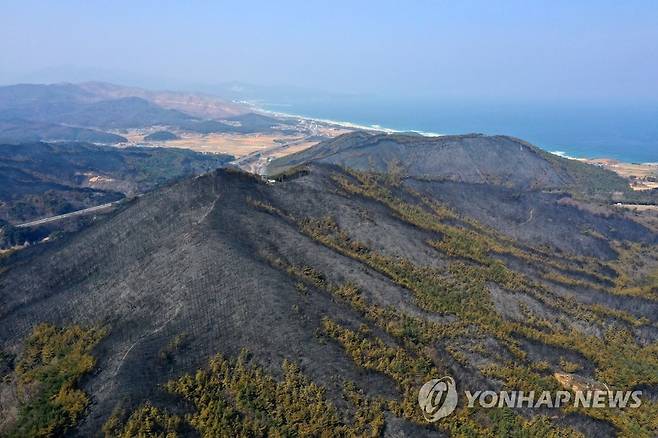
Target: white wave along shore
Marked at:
344, 124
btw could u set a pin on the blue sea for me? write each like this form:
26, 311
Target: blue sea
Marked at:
623, 131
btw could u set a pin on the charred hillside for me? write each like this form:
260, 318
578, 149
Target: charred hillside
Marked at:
362, 284
472, 158
46, 179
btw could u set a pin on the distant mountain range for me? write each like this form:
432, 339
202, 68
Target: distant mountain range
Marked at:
41, 179
86, 111
199, 105
24, 131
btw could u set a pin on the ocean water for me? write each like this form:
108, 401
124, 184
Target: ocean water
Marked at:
623, 131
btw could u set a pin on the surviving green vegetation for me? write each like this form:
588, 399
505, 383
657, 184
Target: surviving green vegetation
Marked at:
48, 370
238, 398
462, 291
235, 398
410, 372
450, 322
145, 421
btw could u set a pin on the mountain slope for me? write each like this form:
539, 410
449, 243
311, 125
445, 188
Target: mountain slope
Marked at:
358, 279
472, 158
17, 131
42, 179
125, 112
195, 104
38, 98
161, 136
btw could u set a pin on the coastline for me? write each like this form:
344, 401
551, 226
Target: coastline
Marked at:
600, 159
642, 176
342, 124
555, 149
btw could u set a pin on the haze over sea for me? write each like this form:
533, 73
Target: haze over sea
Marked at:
623, 131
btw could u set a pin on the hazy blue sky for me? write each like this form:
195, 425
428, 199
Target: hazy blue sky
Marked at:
476, 49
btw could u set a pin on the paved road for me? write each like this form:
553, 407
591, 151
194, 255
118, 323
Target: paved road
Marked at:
86, 211
257, 161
